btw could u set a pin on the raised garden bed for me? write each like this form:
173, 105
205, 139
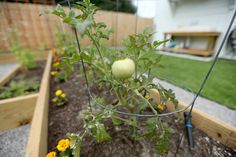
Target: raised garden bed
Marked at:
212, 137
122, 110
17, 111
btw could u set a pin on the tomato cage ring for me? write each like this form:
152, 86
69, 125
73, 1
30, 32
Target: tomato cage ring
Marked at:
141, 115
137, 114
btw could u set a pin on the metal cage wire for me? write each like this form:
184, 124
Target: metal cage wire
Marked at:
195, 96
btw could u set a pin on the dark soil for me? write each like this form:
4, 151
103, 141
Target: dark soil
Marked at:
29, 75
67, 119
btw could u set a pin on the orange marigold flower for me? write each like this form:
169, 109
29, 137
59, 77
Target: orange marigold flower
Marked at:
51, 154
63, 144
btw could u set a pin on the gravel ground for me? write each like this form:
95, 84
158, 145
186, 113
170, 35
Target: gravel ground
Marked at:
205, 105
6, 68
13, 142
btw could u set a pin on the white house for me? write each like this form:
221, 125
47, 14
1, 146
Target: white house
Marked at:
205, 15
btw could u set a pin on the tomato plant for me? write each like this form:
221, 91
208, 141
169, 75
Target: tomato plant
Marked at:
125, 73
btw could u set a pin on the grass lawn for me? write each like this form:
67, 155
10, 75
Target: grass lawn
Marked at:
220, 87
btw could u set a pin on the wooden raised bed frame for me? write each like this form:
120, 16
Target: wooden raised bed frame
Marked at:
37, 142
16, 111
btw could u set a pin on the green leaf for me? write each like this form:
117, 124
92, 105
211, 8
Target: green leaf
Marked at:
158, 43
151, 128
100, 133
83, 25
59, 11
86, 57
77, 149
71, 14
75, 144
162, 146
115, 120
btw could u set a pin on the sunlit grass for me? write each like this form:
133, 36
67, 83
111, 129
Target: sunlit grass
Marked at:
221, 86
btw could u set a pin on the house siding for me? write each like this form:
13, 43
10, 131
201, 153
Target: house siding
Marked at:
214, 14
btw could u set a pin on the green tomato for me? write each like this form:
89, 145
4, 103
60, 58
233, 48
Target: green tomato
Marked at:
123, 68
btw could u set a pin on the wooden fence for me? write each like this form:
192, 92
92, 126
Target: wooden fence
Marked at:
39, 31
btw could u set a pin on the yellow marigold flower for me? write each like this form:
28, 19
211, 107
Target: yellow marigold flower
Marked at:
53, 73
63, 144
51, 154
63, 95
160, 106
55, 55
56, 64
147, 97
58, 92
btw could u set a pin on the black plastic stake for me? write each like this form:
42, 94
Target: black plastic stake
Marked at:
188, 126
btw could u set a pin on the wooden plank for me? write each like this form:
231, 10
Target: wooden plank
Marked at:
190, 51
9, 75
143, 23
124, 28
17, 111
38, 30
11, 58
37, 142
216, 34
212, 126
4, 24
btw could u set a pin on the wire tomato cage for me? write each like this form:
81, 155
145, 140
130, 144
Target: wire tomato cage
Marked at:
187, 115
195, 96
137, 114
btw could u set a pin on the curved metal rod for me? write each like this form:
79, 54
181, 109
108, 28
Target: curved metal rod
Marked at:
141, 115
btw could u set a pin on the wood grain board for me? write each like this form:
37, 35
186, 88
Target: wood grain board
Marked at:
18, 111
6, 58
212, 126
37, 31
37, 141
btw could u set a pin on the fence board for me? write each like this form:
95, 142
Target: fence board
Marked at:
36, 31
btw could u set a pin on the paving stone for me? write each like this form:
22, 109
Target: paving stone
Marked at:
6, 68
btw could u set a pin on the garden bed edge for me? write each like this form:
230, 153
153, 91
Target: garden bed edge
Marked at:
37, 140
